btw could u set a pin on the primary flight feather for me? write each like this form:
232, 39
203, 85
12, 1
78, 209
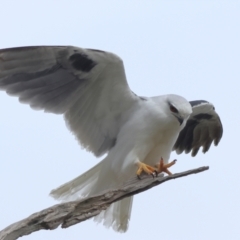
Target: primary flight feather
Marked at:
90, 88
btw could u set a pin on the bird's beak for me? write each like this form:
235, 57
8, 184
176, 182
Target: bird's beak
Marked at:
180, 119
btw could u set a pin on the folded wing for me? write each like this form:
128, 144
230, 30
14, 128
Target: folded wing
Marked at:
202, 128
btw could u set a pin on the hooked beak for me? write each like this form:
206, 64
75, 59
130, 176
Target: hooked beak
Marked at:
180, 119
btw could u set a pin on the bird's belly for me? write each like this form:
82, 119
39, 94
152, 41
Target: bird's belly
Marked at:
158, 152
162, 149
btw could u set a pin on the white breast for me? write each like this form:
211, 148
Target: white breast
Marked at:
162, 148
147, 136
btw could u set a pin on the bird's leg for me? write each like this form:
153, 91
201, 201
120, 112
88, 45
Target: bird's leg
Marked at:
164, 167
142, 167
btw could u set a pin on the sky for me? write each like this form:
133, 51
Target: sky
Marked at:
189, 48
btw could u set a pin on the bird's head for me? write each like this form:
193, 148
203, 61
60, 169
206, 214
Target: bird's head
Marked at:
178, 107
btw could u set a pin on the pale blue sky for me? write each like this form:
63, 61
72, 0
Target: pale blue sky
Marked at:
190, 48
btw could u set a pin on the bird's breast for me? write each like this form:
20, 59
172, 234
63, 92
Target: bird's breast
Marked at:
162, 147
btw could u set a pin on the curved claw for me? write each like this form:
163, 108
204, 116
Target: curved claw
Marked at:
142, 167
164, 167
154, 173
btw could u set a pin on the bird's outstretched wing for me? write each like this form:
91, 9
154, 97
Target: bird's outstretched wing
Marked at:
88, 86
202, 128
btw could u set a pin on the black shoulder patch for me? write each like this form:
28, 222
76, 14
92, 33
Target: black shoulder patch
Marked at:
81, 62
203, 116
197, 102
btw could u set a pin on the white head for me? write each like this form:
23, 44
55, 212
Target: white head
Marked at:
179, 107
176, 108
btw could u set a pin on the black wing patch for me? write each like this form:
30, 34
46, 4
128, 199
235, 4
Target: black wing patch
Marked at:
51, 89
200, 131
197, 102
203, 116
81, 62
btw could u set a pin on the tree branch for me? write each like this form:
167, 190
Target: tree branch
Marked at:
70, 213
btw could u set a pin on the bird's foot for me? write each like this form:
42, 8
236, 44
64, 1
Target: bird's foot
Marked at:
164, 167
142, 167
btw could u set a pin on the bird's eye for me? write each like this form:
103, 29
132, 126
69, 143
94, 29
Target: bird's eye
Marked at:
173, 109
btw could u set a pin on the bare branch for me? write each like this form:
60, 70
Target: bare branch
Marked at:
70, 213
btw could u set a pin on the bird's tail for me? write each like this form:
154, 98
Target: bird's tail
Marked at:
79, 187
89, 183
117, 215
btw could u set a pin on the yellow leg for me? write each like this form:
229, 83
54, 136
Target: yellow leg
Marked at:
142, 167
164, 167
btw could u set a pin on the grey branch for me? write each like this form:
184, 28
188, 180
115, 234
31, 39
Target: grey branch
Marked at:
70, 213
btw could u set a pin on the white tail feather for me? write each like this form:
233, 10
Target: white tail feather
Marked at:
116, 216
79, 187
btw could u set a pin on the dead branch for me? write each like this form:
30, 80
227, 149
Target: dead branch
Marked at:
70, 213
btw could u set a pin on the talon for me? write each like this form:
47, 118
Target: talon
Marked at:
164, 167
155, 173
142, 167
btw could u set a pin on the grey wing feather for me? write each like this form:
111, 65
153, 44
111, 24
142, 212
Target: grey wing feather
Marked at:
35, 75
88, 86
202, 128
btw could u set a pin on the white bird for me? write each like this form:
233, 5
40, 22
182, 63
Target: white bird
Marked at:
90, 88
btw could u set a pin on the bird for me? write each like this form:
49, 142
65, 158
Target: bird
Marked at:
136, 134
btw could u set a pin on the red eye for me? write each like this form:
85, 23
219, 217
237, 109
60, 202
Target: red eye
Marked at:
173, 109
